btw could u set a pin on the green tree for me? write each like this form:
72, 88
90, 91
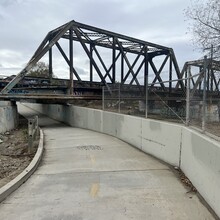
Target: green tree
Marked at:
204, 23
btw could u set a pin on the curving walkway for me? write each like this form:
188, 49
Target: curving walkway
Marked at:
88, 175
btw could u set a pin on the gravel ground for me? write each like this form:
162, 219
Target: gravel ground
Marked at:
14, 156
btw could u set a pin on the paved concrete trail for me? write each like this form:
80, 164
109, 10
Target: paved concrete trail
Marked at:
88, 175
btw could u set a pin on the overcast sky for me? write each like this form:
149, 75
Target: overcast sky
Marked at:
24, 24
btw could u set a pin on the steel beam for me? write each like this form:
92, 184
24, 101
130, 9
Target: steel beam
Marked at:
89, 38
102, 44
103, 64
198, 82
116, 58
127, 61
116, 35
122, 68
160, 70
170, 73
138, 70
175, 64
146, 76
67, 61
50, 65
158, 75
71, 60
35, 59
91, 58
90, 65
113, 60
132, 67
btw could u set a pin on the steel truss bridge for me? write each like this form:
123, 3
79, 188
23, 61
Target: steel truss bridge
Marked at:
131, 62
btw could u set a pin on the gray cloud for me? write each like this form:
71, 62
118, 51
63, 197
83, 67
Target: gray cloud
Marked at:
6, 3
24, 24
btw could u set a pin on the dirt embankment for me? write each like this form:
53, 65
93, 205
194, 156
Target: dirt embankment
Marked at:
14, 156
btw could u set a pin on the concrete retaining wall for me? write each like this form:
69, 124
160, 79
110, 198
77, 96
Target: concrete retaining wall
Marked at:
200, 161
197, 155
8, 116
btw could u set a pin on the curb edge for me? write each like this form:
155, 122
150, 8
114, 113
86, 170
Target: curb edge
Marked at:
14, 184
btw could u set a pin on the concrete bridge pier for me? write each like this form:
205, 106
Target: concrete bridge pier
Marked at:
8, 116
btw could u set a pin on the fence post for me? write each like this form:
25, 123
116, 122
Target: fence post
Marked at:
103, 98
146, 96
188, 96
119, 97
204, 96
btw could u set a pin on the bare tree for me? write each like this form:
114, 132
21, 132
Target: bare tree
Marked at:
204, 17
40, 69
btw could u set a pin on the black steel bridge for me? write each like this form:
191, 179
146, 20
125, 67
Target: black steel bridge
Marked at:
112, 58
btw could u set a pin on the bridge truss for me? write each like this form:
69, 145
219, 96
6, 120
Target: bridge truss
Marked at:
150, 62
195, 71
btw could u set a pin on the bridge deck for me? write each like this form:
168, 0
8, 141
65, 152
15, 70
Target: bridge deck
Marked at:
87, 175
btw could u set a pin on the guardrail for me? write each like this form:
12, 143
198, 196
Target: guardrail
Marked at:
33, 130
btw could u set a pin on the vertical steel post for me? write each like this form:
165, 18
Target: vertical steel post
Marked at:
146, 82
204, 95
210, 67
122, 68
207, 79
71, 60
188, 96
103, 98
113, 61
50, 65
91, 68
170, 74
200, 84
119, 97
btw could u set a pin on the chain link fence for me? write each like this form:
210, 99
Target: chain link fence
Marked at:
197, 108
118, 98
203, 101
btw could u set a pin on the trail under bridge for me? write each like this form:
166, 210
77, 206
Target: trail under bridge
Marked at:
88, 175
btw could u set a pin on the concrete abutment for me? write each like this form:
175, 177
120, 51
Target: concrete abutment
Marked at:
8, 116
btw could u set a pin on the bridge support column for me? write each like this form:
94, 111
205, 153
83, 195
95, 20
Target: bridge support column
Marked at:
8, 116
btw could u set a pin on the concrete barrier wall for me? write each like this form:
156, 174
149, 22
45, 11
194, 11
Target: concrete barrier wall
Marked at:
197, 155
200, 161
163, 140
150, 136
8, 116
